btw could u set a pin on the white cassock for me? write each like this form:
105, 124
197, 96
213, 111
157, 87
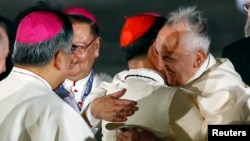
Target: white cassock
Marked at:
31, 111
78, 92
222, 96
218, 92
77, 89
168, 112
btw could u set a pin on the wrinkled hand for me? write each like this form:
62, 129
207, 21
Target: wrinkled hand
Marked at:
136, 134
111, 108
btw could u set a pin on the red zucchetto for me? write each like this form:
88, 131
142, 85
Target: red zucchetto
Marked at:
38, 26
81, 12
135, 27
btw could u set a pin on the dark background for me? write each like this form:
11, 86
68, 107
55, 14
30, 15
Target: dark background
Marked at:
225, 21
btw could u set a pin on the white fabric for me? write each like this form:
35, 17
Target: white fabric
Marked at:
166, 111
95, 93
222, 95
31, 111
80, 85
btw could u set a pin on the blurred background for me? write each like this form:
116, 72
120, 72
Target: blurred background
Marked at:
226, 20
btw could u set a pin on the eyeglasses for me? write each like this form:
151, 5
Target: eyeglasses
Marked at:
246, 7
78, 49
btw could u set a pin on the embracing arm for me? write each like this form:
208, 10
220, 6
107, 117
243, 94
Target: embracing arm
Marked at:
104, 107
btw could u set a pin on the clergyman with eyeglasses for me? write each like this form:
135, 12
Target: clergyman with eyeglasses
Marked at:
82, 78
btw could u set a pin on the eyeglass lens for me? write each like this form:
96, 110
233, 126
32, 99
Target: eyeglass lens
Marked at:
80, 49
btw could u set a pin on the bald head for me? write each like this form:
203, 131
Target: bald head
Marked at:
4, 47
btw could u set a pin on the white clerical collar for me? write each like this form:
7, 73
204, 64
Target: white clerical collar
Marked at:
31, 74
210, 60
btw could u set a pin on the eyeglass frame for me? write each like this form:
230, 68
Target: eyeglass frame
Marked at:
246, 7
74, 47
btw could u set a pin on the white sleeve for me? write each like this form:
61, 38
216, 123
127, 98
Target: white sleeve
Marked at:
92, 120
96, 93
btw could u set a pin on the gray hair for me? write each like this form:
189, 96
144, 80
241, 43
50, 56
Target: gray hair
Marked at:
196, 37
41, 53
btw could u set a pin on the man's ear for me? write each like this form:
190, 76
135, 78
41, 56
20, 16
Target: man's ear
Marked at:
97, 46
199, 58
58, 60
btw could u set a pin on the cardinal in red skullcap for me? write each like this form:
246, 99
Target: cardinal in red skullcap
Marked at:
159, 107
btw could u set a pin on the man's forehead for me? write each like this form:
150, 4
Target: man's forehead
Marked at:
170, 31
163, 34
170, 39
164, 30
169, 36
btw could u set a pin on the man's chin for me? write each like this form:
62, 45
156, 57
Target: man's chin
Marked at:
172, 81
72, 73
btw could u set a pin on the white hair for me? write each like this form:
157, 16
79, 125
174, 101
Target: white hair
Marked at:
196, 37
